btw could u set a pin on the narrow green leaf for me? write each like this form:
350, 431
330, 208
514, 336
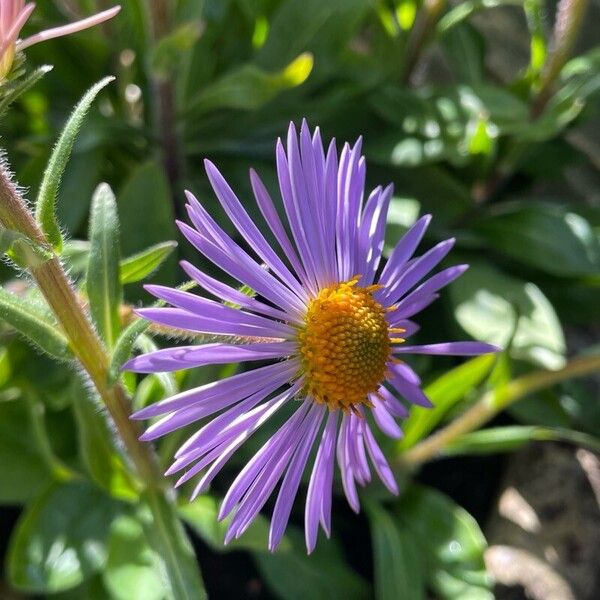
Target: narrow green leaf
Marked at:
32, 321
463, 11
103, 286
398, 570
512, 437
60, 539
124, 346
141, 265
169, 540
444, 392
17, 88
45, 211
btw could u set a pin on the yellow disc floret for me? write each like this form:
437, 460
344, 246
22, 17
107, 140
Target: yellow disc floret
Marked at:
345, 345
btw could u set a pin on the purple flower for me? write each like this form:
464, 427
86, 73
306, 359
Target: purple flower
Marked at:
330, 321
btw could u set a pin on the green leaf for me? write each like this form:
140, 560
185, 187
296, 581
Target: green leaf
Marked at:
17, 88
23, 251
249, 87
324, 575
133, 568
169, 540
201, 516
100, 457
463, 11
102, 282
492, 306
444, 392
22, 472
398, 570
143, 264
543, 235
45, 212
35, 323
513, 437
124, 347
60, 539
450, 541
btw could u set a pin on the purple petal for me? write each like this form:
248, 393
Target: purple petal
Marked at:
380, 463
187, 357
384, 420
450, 348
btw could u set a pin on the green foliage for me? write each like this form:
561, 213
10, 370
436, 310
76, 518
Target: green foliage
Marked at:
102, 281
46, 201
60, 540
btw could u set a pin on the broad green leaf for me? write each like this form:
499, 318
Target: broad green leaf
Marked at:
100, 457
201, 516
324, 575
492, 306
22, 472
133, 567
249, 87
75, 255
22, 250
102, 282
464, 48
543, 235
444, 392
166, 535
141, 265
60, 539
35, 323
45, 211
398, 568
449, 540
506, 439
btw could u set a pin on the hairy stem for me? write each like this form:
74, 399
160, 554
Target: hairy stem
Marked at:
493, 402
87, 347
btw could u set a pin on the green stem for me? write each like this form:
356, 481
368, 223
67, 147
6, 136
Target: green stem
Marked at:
492, 403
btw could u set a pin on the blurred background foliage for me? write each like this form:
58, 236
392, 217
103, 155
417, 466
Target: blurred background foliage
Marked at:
481, 112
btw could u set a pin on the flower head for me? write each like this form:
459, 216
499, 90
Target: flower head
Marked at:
329, 320
13, 16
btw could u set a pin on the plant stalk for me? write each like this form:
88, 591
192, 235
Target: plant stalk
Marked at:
492, 403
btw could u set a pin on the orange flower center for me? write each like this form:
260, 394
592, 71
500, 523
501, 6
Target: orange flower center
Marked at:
345, 345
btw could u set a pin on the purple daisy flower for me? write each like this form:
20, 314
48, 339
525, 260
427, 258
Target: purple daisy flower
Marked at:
331, 326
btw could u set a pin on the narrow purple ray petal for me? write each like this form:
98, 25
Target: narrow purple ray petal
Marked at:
237, 387
291, 481
410, 327
269, 213
248, 474
225, 292
451, 348
211, 309
432, 285
404, 249
346, 469
412, 308
384, 420
379, 462
187, 357
416, 271
183, 319
413, 393
318, 488
246, 227
404, 371
392, 404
